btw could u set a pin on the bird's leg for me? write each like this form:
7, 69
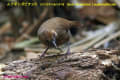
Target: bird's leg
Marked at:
66, 54
68, 44
43, 54
68, 50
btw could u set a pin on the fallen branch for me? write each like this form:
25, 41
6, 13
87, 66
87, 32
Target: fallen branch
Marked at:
89, 65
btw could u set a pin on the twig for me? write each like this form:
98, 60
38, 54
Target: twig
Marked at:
99, 33
89, 44
41, 50
102, 33
5, 28
25, 43
113, 36
94, 41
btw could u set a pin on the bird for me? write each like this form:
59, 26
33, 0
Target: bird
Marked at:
55, 32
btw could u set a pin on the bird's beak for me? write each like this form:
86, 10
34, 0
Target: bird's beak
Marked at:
54, 42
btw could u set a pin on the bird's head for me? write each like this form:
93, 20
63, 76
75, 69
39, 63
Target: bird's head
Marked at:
50, 38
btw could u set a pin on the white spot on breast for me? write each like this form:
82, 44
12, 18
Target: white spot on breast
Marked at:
53, 31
